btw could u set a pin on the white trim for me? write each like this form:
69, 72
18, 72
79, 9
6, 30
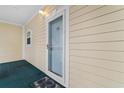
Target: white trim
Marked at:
8, 61
67, 48
23, 42
64, 81
33, 15
11, 23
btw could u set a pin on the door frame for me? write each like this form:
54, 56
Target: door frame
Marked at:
57, 13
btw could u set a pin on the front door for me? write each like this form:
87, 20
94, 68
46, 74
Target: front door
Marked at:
55, 46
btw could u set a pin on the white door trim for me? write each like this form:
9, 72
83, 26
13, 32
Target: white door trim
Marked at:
65, 12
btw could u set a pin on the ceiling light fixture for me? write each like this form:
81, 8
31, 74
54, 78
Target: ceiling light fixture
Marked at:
43, 13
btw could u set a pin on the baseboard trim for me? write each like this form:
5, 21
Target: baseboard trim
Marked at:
8, 61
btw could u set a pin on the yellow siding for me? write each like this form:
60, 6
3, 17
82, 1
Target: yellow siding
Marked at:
10, 43
96, 46
36, 54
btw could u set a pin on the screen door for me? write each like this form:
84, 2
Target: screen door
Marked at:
56, 46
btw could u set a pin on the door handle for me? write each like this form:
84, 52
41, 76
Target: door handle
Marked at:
49, 46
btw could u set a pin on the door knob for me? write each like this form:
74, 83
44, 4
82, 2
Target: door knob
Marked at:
49, 46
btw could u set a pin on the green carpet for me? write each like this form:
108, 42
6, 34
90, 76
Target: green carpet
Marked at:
19, 74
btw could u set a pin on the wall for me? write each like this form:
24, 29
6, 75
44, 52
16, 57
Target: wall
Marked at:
10, 43
36, 54
96, 45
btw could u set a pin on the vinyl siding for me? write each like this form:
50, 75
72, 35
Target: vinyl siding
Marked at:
36, 54
96, 46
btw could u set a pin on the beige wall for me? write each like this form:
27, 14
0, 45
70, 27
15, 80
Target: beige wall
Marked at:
96, 45
10, 43
36, 54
